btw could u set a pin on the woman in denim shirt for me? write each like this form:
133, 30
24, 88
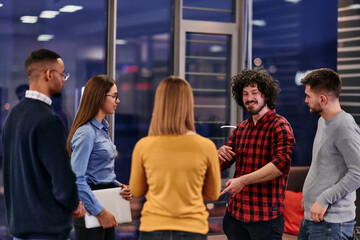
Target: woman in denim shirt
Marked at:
93, 155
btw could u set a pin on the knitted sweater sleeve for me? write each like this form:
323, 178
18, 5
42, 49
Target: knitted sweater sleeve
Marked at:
54, 157
348, 144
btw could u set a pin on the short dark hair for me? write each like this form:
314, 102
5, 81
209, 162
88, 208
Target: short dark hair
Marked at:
323, 79
39, 56
265, 84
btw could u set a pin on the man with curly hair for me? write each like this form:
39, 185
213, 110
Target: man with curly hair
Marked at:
261, 146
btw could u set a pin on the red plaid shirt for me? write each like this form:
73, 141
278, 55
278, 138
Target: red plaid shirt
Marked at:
271, 140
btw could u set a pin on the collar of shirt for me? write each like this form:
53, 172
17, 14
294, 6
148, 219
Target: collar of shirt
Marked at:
99, 125
262, 119
38, 96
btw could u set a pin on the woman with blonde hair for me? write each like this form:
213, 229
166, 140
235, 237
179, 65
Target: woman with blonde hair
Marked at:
176, 168
93, 155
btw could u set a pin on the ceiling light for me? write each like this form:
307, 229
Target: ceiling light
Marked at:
1, 4
259, 23
216, 48
121, 41
70, 8
45, 37
48, 14
257, 61
293, 1
354, 6
300, 75
29, 19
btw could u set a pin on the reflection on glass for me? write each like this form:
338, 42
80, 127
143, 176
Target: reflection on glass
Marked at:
143, 59
78, 35
207, 68
210, 10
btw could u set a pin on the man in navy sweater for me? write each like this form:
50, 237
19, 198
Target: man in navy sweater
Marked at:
39, 185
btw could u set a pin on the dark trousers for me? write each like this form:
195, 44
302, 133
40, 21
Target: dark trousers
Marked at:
83, 233
264, 230
171, 235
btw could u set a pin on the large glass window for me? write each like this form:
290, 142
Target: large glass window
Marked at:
207, 68
76, 30
143, 59
289, 39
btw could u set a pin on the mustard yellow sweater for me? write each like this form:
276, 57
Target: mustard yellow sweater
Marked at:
177, 174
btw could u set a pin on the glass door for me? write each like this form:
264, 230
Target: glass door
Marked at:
206, 54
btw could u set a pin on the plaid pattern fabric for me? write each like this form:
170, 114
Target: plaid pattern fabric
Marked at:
38, 96
270, 140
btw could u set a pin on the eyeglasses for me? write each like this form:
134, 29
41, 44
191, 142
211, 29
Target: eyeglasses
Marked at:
115, 96
65, 76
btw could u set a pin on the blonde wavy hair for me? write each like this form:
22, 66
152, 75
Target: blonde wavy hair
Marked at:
173, 112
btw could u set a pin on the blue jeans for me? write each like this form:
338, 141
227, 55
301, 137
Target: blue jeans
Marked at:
310, 230
263, 230
171, 235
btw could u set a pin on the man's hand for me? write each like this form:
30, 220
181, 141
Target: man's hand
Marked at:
317, 212
79, 212
107, 220
225, 153
126, 194
233, 186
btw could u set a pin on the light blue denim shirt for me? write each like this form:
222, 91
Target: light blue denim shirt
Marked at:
92, 160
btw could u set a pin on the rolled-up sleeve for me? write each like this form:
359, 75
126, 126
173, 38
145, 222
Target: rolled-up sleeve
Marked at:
283, 143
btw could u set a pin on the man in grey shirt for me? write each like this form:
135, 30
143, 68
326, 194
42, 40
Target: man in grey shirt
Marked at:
334, 175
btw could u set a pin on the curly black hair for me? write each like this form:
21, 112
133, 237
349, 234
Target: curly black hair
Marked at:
265, 83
